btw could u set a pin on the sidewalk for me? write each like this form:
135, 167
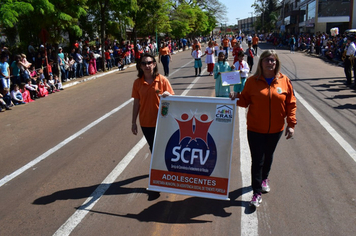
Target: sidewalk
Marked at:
73, 82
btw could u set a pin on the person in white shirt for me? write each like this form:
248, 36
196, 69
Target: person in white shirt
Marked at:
16, 96
241, 66
349, 60
197, 54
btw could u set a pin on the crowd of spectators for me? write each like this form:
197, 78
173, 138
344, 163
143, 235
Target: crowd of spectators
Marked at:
43, 69
320, 44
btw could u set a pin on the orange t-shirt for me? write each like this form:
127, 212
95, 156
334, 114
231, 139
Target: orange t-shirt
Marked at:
226, 42
196, 44
255, 40
148, 94
164, 51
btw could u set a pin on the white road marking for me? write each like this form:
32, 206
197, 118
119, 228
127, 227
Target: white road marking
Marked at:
249, 222
343, 143
78, 216
7, 178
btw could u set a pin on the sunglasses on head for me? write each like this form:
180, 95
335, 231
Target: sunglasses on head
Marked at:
144, 63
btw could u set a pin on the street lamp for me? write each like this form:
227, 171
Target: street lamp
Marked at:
251, 20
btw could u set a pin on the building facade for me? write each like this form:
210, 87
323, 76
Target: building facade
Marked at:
312, 16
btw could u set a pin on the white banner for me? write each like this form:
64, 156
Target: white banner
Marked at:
230, 78
193, 146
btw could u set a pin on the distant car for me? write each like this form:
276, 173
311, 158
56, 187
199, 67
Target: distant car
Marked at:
350, 32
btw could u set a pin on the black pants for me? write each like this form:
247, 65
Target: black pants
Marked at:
262, 147
250, 62
347, 70
255, 47
149, 133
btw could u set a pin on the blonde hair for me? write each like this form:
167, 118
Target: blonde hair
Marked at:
267, 53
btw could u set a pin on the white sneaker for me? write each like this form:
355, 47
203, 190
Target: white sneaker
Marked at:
256, 200
265, 186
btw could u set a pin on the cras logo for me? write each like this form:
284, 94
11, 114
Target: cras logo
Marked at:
191, 149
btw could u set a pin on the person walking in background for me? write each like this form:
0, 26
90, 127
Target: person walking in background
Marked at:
255, 43
165, 58
269, 97
292, 43
209, 59
349, 60
250, 55
226, 46
146, 92
196, 54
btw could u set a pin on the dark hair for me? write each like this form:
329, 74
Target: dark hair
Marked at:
138, 65
224, 56
240, 53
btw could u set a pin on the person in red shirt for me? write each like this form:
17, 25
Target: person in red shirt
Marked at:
235, 51
108, 59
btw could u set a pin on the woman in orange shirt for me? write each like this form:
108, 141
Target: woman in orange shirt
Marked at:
165, 58
271, 103
146, 92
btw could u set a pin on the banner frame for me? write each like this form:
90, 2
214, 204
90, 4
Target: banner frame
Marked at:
202, 99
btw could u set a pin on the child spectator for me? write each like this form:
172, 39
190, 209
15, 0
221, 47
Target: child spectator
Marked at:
108, 59
57, 82
26, 96
51, 83
7, 97
42, 90
3, 104
120, 64
47, 86
16, 95
92, 64
32, 88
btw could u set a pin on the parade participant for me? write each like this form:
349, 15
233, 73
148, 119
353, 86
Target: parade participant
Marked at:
196, 54
210, 60
349, 60
221, 66
244, 69
269, 97
216, 48
165, 57
235, 51
250, 52
233, 41
255, 43
226, 46
146, 92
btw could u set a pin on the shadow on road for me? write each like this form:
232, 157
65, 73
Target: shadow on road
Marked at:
183, 211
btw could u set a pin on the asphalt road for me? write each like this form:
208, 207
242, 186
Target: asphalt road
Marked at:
70, 164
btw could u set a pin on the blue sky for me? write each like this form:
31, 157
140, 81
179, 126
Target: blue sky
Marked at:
237, 9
